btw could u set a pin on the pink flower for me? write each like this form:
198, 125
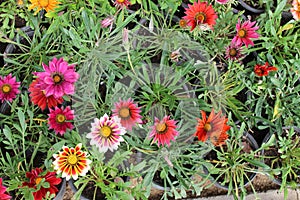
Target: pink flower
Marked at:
108, 21
3, 194
58, 78
59, 119
295, 10
234, 52
8, 88
128, 112
164, 131
245, 32
106, 133
222, 1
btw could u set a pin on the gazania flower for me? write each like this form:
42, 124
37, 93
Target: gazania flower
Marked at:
35, 177
8, 88
39, 98
106, 133
263, 70
234, 52
122, 3
183, 23
295, 10
71, 162
60, 119
58, 78
48, 5
200, 14
128, 112
164, 131
3, 193
214, 128
245, 32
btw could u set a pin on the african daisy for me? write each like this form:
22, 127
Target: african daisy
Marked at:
245, 32
48, 5
8, 88
60, 119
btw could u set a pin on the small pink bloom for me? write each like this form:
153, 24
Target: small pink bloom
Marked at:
222, 1
164, 131
59, 119
245, 32
234, 52
58, 79
108, 21
8, 88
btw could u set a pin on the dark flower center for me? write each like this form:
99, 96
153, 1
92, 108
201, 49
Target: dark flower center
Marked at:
161, 128
207, 127
72, 159
200, 17
60, 118
242, 33
57, 78
124, 113
105, 131
182, 23
232, 52
6, 88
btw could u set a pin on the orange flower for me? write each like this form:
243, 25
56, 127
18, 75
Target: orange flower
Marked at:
263, 70
214, 128
48, 5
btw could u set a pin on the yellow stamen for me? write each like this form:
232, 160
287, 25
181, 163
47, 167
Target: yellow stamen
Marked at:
200, 17
72, 159
57, 78
60, 118
124, 112
105, 131
38, 180
161, 127
6, 88
232, 52
242, 33
120, 1
207, 127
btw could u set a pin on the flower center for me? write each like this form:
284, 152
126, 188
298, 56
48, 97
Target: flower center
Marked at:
105, 131
44, 3
182, 23
72, 159
161, 128
6, 88
124, 112
57, 78
200, 17
233, 52
207, 127
38, 180
120, 1
242, 33
60, 118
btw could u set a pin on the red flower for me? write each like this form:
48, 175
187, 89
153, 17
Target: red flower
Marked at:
39, 98
59, 119
200, 14
245, 32
3, 194
122, 3
35, 177
164, 131
263, 70
213, 128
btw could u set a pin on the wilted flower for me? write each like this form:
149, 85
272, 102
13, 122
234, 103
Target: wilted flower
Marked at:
3, 193
245, 32
233, 52
263, 70
295, 10
214, 128
48, 5
108, 21
58, 78
106, 133
72, 162
200, 14
59, 119
128, 112
164, 131
35, 177
8, 88
39, 98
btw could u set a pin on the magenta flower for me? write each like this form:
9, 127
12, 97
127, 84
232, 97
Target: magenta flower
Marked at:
58, 78
59, 119
234, 52
108, 21
3, 193
164, 131
8, 88
222, 1
106, 133
245, 32
128, 112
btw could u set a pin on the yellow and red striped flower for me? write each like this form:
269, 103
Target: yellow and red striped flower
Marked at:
72, 162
